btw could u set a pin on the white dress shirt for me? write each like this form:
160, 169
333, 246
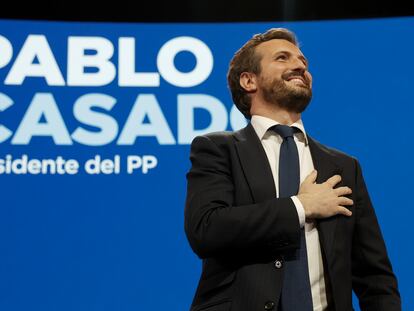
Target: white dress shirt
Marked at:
271, 143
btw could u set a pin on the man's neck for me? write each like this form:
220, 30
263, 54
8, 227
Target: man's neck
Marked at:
278, 114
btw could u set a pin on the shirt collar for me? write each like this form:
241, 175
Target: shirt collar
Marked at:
262, 124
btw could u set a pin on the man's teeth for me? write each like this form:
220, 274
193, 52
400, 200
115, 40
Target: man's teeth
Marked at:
297, 80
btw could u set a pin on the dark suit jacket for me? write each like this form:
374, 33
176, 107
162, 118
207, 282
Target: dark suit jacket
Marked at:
235, 223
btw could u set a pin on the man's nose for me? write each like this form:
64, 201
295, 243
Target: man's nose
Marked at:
299, 65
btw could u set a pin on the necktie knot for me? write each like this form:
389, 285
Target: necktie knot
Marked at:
284, 131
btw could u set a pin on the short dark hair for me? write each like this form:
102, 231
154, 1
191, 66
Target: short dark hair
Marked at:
247, 60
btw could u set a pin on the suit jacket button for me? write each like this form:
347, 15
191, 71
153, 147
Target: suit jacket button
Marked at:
270, 305
278, 264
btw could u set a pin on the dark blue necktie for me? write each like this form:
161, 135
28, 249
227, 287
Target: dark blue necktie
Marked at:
296, 291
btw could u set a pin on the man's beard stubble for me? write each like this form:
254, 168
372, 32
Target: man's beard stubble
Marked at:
293, 99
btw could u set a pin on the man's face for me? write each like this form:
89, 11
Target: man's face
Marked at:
284, 79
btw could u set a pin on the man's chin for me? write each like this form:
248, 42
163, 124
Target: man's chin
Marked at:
297, 101
293, 98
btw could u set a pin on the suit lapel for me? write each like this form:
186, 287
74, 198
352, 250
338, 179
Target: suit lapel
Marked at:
323, 163
259, 176
255, 164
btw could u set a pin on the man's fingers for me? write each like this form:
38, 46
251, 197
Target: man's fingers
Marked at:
342, 191
344, 211
333, 180
345, 201
311, 178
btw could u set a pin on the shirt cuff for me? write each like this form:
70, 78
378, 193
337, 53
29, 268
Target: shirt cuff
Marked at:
300, 210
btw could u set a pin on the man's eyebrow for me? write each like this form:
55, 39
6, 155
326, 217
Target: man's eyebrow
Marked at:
303, 58
281, 52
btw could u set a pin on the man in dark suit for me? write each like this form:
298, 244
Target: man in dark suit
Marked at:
281, 221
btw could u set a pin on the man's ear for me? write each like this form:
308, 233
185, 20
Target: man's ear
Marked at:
248, 81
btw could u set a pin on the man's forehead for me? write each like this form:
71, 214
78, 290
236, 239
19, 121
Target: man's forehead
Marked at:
274, 46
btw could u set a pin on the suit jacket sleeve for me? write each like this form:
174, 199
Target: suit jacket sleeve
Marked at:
215, 226
372, 275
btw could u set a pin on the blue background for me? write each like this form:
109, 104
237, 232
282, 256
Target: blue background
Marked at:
116, 242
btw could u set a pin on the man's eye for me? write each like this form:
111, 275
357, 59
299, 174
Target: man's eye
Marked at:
281, 57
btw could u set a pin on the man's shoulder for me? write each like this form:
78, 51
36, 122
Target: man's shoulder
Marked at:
224, 137
221, 135
333, 152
